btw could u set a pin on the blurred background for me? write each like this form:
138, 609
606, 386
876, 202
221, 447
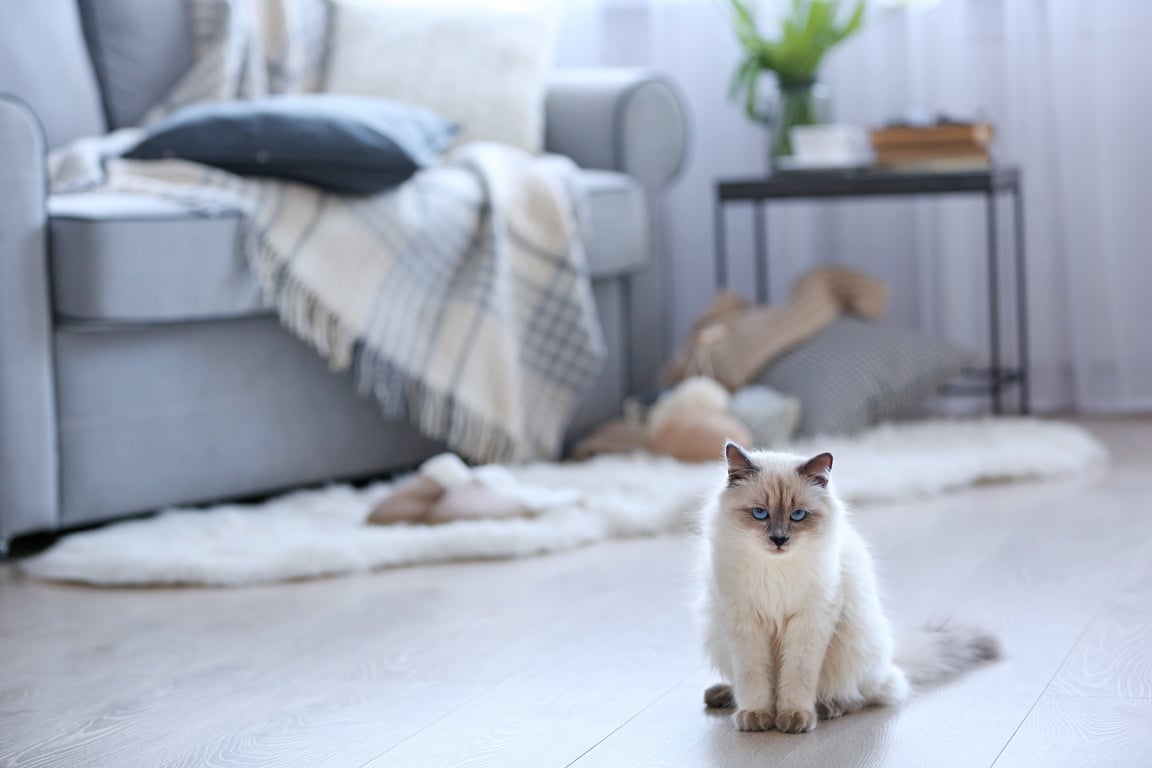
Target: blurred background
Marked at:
1064, 85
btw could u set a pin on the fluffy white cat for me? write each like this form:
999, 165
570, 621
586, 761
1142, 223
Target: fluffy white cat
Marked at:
791, 616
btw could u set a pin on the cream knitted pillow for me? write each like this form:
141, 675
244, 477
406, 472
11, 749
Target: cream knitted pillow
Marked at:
481, 64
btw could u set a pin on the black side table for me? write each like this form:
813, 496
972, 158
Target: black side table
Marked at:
877, 183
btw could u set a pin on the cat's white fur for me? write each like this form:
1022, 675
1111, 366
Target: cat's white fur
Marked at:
799, 633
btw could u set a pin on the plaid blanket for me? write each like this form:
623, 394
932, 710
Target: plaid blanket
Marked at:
460, 299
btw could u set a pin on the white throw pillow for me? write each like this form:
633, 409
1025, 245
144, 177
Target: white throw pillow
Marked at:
480, 64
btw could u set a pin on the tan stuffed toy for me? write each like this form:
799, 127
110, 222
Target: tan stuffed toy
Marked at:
734, 340
691, 422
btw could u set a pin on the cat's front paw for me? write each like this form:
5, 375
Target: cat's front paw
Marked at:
754, 720
797, 721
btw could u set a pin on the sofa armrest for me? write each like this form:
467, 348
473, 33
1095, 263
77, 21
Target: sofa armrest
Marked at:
625, 120
635, 122
28, 458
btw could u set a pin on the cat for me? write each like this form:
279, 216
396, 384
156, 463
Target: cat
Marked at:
790, 611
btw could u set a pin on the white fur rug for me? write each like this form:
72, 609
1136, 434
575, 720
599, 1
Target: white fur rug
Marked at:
322, 533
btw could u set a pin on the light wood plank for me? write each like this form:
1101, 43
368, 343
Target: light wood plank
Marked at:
315, 647
1114, 657
576, 692
1083, 732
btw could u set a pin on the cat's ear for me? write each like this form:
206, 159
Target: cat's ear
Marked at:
740, 467
818, 468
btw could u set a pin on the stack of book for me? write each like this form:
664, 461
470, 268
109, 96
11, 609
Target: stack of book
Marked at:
946, 146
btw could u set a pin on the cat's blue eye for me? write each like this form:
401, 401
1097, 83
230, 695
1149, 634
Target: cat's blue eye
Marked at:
759, 513
798, 515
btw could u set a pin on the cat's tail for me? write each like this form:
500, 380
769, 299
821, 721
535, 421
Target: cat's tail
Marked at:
940, 651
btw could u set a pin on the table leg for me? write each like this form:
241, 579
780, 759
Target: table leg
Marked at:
625, 307
721, 255
995, 365
761, 239
1021, 300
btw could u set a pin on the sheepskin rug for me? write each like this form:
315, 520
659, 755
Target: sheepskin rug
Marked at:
322, 532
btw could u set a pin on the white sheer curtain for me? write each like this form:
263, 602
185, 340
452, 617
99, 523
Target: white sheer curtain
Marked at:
1067, 84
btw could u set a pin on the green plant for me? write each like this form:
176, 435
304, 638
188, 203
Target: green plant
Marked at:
808, 31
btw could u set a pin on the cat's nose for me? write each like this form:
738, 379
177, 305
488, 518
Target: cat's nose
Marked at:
779, 541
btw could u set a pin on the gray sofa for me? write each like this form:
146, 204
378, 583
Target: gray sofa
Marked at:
139, 365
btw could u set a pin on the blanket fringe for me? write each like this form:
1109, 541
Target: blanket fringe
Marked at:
403, 397
300, 310
436, 414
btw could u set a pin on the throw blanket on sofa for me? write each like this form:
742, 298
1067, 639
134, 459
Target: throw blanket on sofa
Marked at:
460, 299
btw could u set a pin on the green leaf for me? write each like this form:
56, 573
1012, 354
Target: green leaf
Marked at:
808, 30
750, 94
741, 75
743, 15
745, 25
855, 21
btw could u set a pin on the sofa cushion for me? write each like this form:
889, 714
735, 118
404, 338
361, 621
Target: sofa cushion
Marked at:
352, 144
136, 258
482, 65
139, 51
131, 258
44, 61
856, 373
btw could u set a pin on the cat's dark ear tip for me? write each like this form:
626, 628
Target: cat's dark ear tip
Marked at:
731, 448
818, 468
740, 465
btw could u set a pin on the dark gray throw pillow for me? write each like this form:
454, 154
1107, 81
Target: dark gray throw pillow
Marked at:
351, 144
856, 373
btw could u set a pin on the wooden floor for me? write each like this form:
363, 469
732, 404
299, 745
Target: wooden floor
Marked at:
590, 659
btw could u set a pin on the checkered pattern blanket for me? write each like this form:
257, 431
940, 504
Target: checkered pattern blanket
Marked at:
460, 299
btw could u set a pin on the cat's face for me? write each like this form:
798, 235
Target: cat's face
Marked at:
783, 502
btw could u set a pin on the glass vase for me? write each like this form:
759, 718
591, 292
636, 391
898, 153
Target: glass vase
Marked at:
795, 104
